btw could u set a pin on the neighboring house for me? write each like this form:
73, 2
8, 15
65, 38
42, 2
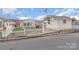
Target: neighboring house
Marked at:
6, 26
6, 23
28, 23
38, 24
1, 24
48, 22
75, 24
56, 22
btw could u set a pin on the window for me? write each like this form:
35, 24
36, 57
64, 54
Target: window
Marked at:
28, 24
45, 24
55, 18
24, 24
7, 24
64, 21
0, 24
48, 21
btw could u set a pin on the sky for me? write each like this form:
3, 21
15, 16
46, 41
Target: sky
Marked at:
37, 13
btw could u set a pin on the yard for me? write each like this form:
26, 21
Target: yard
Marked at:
18, 29
0, 34
27, 32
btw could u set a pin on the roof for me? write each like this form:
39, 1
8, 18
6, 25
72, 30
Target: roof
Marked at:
45, 18
59, 17
4, 19
56, 17
1, 18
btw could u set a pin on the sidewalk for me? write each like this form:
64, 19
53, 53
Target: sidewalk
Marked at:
58, 33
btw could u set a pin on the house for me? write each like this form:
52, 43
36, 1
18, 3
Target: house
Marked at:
48, 22
38, 24
1, 24
75, 24
5, 23
56, 22
27, 23
6, 26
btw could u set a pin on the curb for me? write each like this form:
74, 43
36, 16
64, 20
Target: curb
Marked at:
29, 37
19, 38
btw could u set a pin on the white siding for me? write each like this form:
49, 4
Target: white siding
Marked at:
52, 25
75, 26
57, 24
63, 26
32, 23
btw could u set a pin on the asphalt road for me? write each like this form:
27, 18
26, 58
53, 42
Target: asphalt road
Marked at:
60, 42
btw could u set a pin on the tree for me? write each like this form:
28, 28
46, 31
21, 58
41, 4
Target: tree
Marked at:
73, 19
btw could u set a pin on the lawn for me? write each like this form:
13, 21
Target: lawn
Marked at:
18, 29
28, 32
0, 34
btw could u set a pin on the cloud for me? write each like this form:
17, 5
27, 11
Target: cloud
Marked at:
65, 12
8, 11
24, 17
40, 17
19, 12
56, 11
71, 12
76, 17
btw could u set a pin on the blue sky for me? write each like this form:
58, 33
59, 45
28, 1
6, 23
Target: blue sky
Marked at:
36, 13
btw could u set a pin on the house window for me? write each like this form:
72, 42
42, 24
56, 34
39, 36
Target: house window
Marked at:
48, 21
28, 24
25, 24
45, 24
0, 24
6, 24
55, 19
64, 21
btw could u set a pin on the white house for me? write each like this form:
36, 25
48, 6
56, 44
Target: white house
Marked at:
75, 24
6, 26
56, 22
1, 24
28, 23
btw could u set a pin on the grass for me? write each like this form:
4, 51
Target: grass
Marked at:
20, 32
0, 34
28, 32
18, 29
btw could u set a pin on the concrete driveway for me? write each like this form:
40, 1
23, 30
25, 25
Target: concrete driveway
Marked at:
59, 42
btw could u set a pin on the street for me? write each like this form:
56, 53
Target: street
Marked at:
59, 42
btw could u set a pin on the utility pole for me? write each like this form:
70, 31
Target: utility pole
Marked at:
43, 28
45, 11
